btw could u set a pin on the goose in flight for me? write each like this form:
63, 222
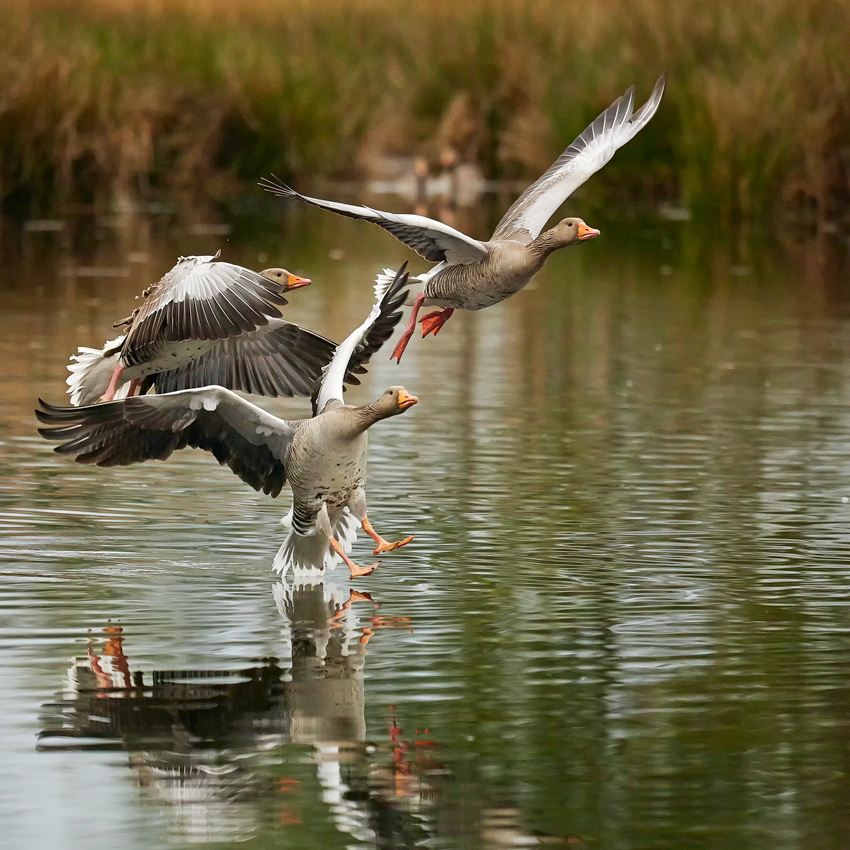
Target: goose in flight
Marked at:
470, 274
322, 458
206, 322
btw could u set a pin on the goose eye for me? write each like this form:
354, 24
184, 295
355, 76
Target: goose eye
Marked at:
569, 224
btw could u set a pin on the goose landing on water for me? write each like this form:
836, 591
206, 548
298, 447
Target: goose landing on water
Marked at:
206, 322
323, 458
470, 274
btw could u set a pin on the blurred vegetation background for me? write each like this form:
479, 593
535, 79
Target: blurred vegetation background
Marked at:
111, 102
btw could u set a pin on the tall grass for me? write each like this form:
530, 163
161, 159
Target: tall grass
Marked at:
111, 101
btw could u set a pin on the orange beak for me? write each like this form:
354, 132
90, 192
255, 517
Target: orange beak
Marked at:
405, 399
585, 232
295, 282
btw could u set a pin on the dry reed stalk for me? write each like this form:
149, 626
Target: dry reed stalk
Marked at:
109, 99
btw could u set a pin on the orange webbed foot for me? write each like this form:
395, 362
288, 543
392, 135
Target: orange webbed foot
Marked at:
432, 323
358, 572
386, 546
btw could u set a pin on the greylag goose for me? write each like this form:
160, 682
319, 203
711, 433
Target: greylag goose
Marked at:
470, 274
206, 322
323, 458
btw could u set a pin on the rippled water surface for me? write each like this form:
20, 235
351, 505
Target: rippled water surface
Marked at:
623, 621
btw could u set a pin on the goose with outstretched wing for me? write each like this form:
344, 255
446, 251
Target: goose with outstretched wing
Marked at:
206, 322
322, 458
471, 274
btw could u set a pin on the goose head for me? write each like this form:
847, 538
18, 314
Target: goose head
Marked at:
393, 401
570, 231
285, 279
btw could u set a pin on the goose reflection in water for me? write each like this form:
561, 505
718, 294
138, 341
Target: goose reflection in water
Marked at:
278, 744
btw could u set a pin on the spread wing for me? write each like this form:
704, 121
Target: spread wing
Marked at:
253, 443
201, 298
432, 240
280, 359
617, 125
356, 349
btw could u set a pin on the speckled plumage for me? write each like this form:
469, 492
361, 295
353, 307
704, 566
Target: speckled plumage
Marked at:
327, 466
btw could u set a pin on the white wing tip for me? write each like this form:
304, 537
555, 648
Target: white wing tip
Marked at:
643, 115
275, 186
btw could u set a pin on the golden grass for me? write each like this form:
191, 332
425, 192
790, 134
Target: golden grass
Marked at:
103, 101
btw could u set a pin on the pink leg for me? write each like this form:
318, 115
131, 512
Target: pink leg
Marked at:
432, 323
134, 385
408, 331
113, 384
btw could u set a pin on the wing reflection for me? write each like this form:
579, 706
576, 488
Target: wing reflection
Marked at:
235, 754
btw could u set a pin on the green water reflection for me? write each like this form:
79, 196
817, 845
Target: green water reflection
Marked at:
623, 622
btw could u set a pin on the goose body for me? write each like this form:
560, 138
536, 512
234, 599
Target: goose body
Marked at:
206, 322
322, 458
506, 269
327, 476
471, 274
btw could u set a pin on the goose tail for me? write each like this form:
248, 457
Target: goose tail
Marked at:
415, 284
309, 555
91, 369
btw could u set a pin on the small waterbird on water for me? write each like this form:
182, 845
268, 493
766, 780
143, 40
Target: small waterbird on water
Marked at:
322, 458
471, 274
206, 322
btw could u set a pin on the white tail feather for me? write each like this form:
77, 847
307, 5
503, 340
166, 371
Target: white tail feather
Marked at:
308, 555
90, 373
414, 282
382, 282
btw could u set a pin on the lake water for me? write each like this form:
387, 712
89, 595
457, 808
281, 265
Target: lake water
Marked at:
624, 621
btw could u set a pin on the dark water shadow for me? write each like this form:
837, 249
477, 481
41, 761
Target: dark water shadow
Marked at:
279, 743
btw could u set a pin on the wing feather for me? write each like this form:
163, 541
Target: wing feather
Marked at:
252, 443
431, 239
281, 359
593, 148
359, 346
201, 298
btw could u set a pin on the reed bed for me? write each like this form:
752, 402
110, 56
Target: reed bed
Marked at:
109, 102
